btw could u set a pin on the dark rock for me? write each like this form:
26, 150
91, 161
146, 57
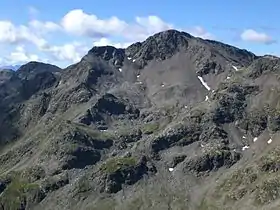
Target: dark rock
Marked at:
111, 105
82, 157
213, 132
255, 122
126, 176
176, 160
30, 69
130, 136
3, 185
212, 161
180, 135
231, 105
264, 64
274, 122
54, 183
39, 81
210, 68
109, 53
160, 46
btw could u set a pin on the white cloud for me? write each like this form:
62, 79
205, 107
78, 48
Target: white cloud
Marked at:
11, 34
102, 32
254, 36
198, 31
80, 23
105, 42
147, 26
43, 27
71, 52
20, 56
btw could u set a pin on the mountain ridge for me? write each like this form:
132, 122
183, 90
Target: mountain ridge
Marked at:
173, 122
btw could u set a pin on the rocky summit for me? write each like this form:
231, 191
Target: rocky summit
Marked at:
175, 122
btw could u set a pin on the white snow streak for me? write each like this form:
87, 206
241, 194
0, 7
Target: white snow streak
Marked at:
269, 141
60, 83
255, 139
245, 147
171, 169
202, 145
133, 60
120, 69
206, 98
235, 68
203, 83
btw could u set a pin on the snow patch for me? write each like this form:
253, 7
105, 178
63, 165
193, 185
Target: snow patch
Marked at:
244, 137
162, 85
202, 145
203, 83
235, 68
186, 107
206, 98
228, 77
255, 139
269, 141
138, 75
171, 169
245, 147
133, 60
213, 91
129, 58
120, 69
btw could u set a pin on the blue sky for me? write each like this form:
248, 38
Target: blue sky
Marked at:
62, 31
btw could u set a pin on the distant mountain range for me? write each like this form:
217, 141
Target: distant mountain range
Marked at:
12, 67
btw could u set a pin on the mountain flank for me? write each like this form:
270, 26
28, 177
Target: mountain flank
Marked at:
173, 122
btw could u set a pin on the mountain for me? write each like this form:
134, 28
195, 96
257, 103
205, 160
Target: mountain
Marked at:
12, 67
173, 122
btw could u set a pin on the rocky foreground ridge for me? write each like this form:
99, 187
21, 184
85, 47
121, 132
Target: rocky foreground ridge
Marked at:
174, 122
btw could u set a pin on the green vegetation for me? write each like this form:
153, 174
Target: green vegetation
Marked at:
271, 161
96, 134
104, 204
150, 128
268, 191
20, 190
207, 205
33, 173
118, 164
241, 177
83, 185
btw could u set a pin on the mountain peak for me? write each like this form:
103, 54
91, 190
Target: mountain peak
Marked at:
171, 33
34, 67
107, 53
161, 46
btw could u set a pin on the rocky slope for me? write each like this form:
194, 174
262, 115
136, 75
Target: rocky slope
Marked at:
174, 122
